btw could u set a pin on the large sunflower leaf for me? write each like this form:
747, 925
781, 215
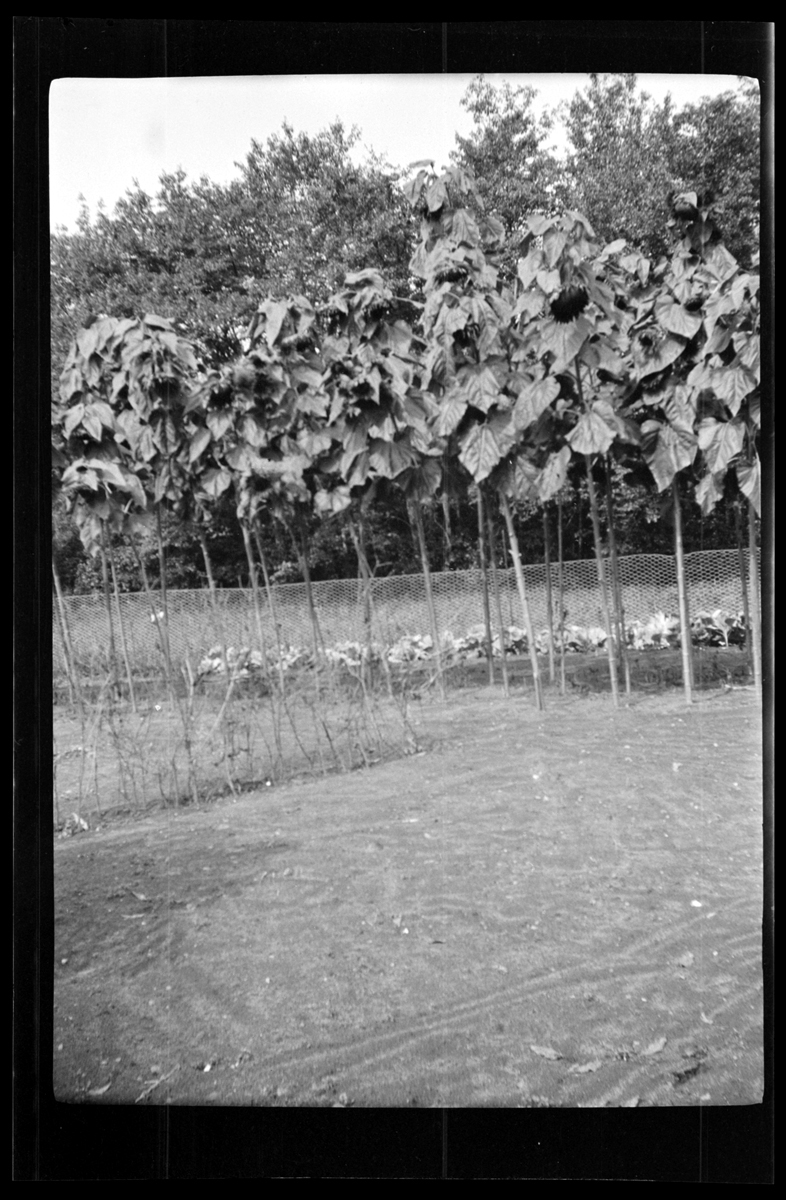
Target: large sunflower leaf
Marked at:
418, 483
554, 474
649, 359
590, 435
451, 409
565, 341
720, 442
675, 319
709, 491
480, 452
667, 449
732, 385
533, 399
391, 458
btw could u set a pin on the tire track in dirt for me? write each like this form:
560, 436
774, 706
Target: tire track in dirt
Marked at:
547, 902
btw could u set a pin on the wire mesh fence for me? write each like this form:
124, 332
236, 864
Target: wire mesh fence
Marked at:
397, 608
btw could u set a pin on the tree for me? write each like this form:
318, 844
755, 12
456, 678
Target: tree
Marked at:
618, 171
717, 148
628, 155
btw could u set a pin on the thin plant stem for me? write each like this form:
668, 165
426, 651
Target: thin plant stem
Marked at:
746, 616
616, 582
522, 589
561, 596
416, 517
156, 619
549, 602
485, 579
121, 625
682, 596
497, 601
604, 592
75, 690
108, 605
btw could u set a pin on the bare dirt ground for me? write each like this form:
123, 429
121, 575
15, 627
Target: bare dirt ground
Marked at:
543, 909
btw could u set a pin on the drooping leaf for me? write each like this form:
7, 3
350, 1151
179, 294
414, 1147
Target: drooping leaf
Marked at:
719, 262
500, 423
252, 431
533, 399
328, 504
436, 196
675, 318
614, 247
540, 224
652, 354
553, 475
92, 424
720, 442
530, 304
219, 421
275, 312
667, 449
709, 491
749, 479
464, 227
548, 281
718, 304
389, 459
451, 410
480, 386
625, 429
422, 481
215, 481
591, 434
528, 267
480, 452
565, 340
355, 472
146, 448
72, 419
680, 407
517, 478
554, 242
199, 442
732, 385
748, 353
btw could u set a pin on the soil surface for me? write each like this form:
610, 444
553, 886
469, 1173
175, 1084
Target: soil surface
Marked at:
543, 909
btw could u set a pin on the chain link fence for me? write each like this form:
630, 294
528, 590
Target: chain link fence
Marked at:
397, 608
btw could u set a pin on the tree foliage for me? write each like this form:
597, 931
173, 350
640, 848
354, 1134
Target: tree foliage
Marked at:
338, 399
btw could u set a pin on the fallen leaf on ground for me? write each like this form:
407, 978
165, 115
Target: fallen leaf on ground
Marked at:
100, 1091
655, 1047
546, 1052
585, 1068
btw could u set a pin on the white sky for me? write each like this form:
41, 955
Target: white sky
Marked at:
104, 133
